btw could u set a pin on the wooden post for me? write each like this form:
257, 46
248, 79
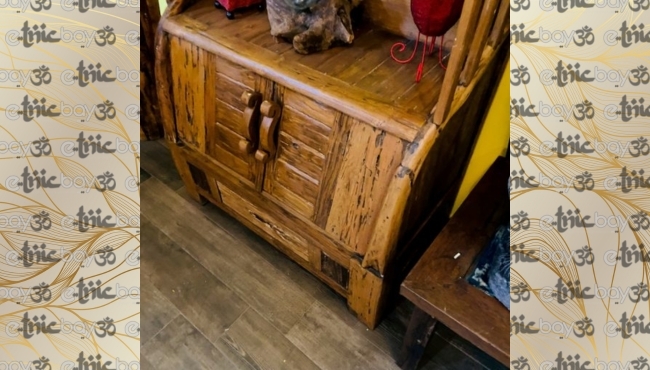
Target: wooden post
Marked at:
466, 29
150, 122
366, 294
478, 44
417, 336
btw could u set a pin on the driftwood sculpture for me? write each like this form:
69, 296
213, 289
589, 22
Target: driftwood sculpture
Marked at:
312, 25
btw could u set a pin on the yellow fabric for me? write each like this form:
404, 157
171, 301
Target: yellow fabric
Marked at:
492, 141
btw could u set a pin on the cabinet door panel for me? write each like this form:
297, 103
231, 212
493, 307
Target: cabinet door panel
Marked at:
301, 156
230, 117
304, 138
305, 129
295, 180
228, 128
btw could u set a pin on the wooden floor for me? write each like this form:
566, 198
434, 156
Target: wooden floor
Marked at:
216, 296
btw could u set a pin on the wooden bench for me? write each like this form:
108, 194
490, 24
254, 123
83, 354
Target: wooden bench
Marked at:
437, 284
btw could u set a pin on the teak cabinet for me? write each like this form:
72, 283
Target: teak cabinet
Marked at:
338, 167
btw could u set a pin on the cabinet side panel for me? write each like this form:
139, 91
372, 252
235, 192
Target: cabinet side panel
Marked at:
447, 161
367, 165
188, 78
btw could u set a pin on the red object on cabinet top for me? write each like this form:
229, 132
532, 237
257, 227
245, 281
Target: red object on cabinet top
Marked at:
435, 17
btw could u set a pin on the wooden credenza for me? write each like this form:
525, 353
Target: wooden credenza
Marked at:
334, 158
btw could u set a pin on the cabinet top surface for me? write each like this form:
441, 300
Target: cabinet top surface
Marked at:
360, 80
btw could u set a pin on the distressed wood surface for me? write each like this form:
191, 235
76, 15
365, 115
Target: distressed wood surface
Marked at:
349, 163
332, 89
411, 192
368, 164
321, 334
189, 71
156, 310
254, 339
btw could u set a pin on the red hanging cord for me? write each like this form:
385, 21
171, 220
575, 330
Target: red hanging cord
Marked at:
418, 74
402, 46
442, 40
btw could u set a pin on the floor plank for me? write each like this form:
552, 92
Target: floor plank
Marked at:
181, 346
206, 302
332, 344
145, 364
144, 175
157, 161
267, 289
155, 310
258, 342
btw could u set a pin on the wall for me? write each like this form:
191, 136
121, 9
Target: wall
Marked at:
492, 141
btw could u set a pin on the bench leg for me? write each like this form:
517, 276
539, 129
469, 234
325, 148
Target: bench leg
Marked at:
185, 173
415, 341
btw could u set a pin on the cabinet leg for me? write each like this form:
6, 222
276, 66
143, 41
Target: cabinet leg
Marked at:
184, 170
366, 294
415, 341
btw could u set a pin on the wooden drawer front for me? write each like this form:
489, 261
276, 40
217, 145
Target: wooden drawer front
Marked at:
265, 222
304, 137
188, 64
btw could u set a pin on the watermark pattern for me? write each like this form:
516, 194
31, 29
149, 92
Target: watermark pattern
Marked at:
579, 155
69, 184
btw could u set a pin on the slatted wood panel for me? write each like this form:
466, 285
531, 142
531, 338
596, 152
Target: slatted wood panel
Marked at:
304, 135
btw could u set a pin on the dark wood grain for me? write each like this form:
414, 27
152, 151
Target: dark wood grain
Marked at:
416, 339
333, 270
436, 284
151, 121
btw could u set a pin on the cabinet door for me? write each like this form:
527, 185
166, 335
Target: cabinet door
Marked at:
209, 110
228, 127
304, 138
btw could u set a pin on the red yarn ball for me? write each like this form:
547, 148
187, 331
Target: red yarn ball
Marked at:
435, 17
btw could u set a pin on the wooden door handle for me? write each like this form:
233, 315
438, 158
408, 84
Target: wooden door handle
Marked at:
270, 117
250, 120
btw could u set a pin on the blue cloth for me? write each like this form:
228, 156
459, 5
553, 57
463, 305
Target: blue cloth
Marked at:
492, 272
